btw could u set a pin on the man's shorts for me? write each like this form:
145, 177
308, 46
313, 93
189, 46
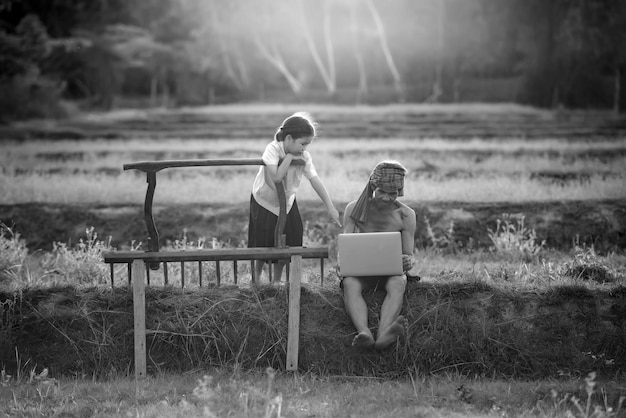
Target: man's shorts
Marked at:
373, 283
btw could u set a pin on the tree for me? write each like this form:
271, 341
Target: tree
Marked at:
382, 37
271, 42
137, 47
362, 87
542, 21
327, 71
25, 91
229, 45
21, 53
610, 27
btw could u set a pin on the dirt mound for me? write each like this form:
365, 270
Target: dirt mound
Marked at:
472, 329
460, 225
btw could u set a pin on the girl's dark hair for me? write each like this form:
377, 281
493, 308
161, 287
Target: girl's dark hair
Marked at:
298, 125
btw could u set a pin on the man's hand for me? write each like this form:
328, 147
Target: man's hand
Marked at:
407, 262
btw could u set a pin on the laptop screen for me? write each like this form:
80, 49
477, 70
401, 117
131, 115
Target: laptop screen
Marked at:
370, 254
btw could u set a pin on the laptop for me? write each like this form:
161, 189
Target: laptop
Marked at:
370, 254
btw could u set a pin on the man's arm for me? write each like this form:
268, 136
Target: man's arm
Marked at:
349, 226
408, 237
408, 230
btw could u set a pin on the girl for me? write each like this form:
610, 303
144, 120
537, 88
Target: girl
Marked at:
290, 143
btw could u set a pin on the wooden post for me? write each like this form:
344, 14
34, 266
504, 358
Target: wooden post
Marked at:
293, 336
139, 314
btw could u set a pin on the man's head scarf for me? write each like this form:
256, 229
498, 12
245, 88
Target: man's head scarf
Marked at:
387, 175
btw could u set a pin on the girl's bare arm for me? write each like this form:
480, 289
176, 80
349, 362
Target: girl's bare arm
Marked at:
276, 173
321, 191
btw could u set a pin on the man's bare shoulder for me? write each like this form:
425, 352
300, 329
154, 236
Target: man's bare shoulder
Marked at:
406, 211
350, 206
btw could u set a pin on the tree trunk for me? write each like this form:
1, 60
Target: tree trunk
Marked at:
165, 97
225, 50
242, 70
382, 36
441, 52
330, 50
165, 88
154, 89
362, 89
211, 95
547, 47
328, 74
617, 90
457, 89
274, 57
228, 66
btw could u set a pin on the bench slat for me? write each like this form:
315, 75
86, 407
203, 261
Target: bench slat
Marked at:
154, 166
216, 255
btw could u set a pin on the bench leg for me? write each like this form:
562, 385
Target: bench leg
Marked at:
293, 337
139, 314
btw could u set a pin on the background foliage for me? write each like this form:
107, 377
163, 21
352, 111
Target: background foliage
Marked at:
105, 53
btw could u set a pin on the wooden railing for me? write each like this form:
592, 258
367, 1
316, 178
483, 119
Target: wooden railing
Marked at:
217, 256
139, 275
151, 168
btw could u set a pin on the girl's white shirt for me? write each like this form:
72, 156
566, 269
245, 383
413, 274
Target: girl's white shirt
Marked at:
267, 196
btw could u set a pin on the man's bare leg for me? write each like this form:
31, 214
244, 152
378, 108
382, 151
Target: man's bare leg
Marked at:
364, 340
391, 324
390, 335
357, 310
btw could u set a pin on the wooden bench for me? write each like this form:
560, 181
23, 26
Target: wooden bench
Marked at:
138, 260
151, 168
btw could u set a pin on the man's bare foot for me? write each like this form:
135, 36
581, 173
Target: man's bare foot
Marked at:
389, 336
363, 340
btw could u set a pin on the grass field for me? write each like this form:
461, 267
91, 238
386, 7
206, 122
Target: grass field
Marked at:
90, 172
509, 329
226, 393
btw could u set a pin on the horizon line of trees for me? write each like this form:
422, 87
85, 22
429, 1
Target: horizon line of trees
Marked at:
545, 53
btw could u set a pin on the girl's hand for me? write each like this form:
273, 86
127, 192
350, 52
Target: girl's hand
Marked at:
290, 159
295, 157
334, 215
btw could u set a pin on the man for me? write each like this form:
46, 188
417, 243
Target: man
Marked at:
377, 210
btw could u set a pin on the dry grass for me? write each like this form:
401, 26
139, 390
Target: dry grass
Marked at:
230, 392
282, 109
494, 322
440, 170
99, 189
